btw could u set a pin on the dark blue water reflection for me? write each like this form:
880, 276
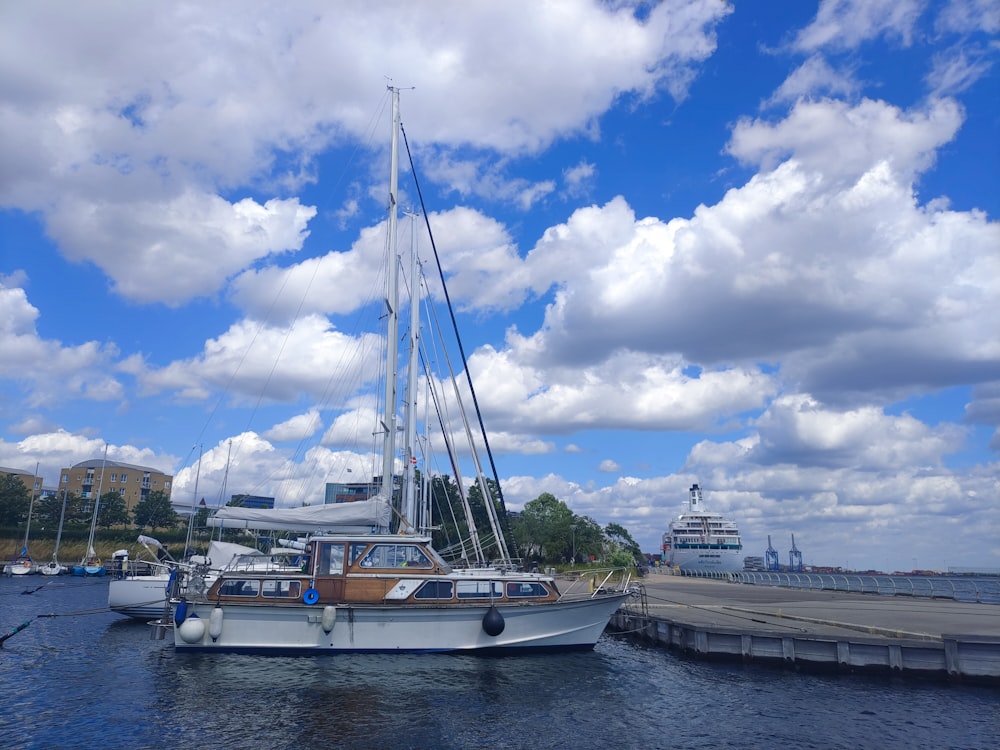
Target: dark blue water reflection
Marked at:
95, 680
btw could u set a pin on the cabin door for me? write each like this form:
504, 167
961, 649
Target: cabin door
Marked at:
330, 572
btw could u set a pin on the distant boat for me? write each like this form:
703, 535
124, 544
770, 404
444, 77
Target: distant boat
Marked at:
55, 568
91, 564
24, 565
699, 541
141, 592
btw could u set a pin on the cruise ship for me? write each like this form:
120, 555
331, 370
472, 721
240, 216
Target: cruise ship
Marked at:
700, 541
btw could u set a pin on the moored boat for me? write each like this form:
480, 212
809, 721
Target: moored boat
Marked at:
140, 588
54, 567
23, 565
389, 592
700, 541
369, 581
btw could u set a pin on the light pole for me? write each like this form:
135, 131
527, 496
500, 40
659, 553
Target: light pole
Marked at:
572, 530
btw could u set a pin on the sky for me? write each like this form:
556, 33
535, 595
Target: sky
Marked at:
749, 245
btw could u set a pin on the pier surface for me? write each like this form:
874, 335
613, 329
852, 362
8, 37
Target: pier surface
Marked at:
807, 627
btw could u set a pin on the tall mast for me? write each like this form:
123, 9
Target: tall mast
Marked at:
410, 457
392, 312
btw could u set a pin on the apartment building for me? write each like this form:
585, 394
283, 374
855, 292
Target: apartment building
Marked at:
98, 476
28, 479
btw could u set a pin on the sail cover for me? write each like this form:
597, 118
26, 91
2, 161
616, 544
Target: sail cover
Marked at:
354, 517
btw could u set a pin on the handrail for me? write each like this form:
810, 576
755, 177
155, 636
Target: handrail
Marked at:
979, 590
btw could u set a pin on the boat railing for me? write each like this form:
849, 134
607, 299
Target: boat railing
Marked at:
138, 568
966, 589
592, 582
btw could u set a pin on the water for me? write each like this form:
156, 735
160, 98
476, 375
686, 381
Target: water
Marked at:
96, 680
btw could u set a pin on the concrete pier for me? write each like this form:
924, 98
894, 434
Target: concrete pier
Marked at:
848, 632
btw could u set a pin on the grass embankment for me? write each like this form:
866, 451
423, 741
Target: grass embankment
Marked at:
73, 546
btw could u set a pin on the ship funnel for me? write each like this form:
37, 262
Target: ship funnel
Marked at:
694, 498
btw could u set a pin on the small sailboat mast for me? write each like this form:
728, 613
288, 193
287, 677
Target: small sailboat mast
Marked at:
194, 502
55, 568
31, 507
91, 564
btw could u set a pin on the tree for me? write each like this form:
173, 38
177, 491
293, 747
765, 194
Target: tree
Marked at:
448, 518
112, 510
155, 511
14, 500
620, 540
588, 538
47, 510
545, 528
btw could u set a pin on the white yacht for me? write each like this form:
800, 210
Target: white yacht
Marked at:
371, 580
701, 541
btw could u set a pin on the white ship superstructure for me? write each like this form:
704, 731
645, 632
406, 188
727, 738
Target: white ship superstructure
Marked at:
702, 541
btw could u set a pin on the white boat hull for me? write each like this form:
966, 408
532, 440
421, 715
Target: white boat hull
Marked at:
141, 597
53, 569
300, 628
706, 560
19, 568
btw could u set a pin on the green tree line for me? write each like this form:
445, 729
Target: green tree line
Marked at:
153, 511
546, 532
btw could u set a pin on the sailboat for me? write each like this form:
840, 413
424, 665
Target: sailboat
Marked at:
54, 567
366, 586
91, 564
23, 565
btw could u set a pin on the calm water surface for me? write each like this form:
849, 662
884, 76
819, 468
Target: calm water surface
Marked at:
92, 679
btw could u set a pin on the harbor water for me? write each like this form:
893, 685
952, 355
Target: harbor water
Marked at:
88, 678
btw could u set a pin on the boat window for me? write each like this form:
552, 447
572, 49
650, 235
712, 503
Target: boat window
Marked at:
239, 587
523, 589
395, 556
282, 588
356, 549
479, 589
435, 590
331, 559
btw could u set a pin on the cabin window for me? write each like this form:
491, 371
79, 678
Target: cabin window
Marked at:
357, 548
395, 556
239, 587
435, 590
479, 589
282, 588
521, 590
331, 559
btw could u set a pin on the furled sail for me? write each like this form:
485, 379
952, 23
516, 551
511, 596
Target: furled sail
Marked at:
361, 515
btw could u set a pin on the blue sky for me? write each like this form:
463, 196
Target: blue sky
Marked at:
750, 245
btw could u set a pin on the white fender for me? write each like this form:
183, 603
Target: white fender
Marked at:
329, 618
215, 624
192, 630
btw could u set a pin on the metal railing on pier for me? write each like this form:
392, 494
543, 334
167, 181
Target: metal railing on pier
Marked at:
984, 590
